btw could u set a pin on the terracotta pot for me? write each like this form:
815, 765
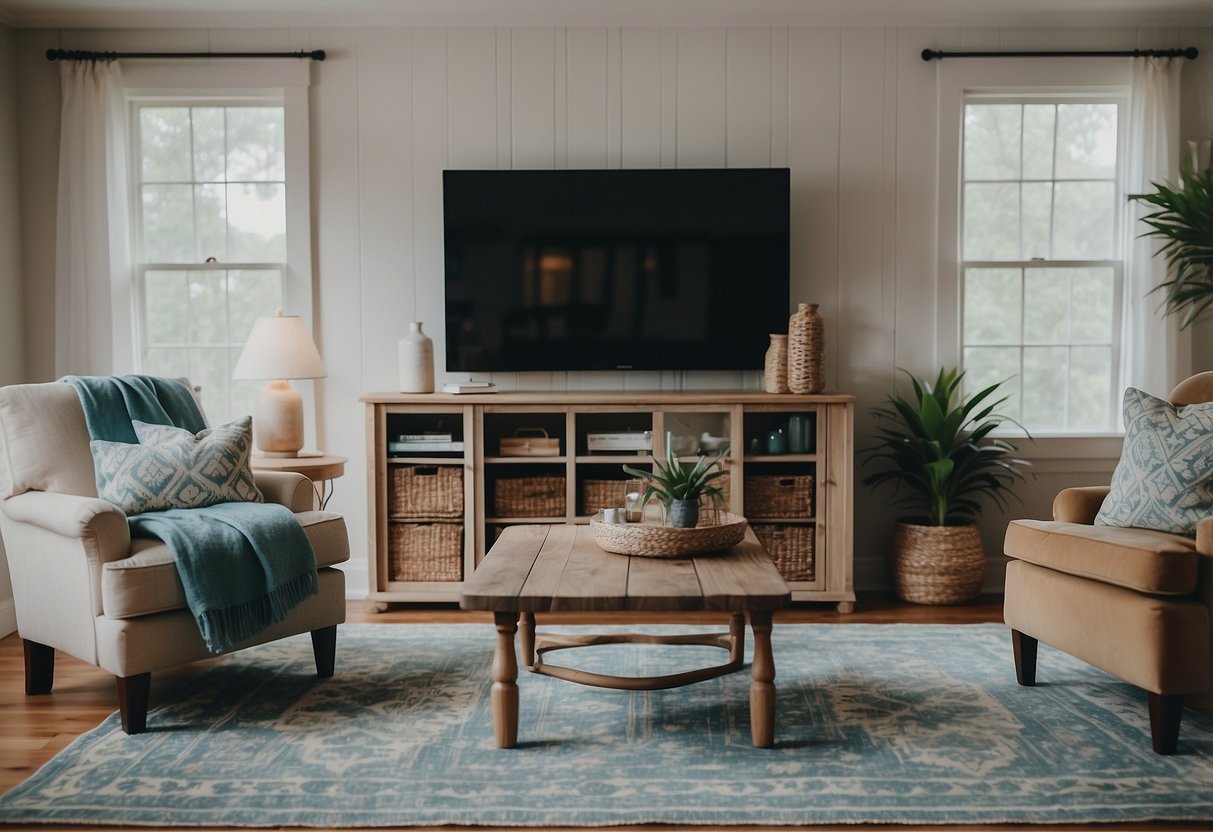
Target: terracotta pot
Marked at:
938, 564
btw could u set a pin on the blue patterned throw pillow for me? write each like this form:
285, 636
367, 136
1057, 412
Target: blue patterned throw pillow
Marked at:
174, 468
1164, 479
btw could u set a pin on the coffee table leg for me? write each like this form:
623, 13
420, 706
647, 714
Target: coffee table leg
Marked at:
504, 695
762, 687
526, 626
737, 634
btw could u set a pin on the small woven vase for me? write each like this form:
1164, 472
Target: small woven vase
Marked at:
806, 350
775, 368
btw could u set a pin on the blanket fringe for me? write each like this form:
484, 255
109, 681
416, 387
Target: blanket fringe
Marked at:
224, 628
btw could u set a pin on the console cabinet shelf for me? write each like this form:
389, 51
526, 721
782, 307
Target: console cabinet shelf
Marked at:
509, 458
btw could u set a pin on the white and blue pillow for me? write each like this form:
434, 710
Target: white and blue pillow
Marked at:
1164, 479
174, 468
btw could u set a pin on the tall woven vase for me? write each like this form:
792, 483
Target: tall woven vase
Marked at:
806, 350
938, 564
775, 368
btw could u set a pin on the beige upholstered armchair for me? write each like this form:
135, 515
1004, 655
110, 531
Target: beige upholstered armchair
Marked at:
83, 586
1131, 601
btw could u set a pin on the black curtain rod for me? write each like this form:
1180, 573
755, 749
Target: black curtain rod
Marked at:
88, 55
1190, 53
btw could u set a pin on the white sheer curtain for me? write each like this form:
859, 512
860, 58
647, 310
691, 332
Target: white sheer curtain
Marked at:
1159, 354
92, 280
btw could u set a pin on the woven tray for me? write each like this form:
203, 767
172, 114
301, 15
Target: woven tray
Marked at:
652, 541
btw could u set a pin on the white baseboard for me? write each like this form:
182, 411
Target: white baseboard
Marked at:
8, 617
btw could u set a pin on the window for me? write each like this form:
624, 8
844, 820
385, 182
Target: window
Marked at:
1041, 268
210, 238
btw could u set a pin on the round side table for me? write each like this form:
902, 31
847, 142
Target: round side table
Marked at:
317, 466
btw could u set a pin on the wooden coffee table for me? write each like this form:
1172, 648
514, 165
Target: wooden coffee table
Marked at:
545, 568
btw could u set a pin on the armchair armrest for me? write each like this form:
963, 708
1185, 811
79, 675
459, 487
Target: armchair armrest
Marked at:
286, 488
1079, 505
1204, 536
88, 519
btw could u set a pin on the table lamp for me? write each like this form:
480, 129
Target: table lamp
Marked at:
279, 349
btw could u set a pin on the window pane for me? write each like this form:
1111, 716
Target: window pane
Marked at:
1038, 141
209, 368
1090, 388
1037, 218
991, 307
1084, 217
256, 223
1086, 141
989, 365
991, 222
1094, 302
168, 223
165, 361
244, 393
253, 294
1044, 384
991, 141
211, 212
209, 157
208, 308
255, 146
1046, 306
164, 134
165, 306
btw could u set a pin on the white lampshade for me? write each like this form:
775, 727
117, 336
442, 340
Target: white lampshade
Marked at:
278, 349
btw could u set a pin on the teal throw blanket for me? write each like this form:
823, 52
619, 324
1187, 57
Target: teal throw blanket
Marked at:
243, 566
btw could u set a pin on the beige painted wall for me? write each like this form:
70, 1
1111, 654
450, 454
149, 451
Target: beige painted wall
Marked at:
12, 333
852, 111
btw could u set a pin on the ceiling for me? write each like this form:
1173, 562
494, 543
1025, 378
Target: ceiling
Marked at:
374, 13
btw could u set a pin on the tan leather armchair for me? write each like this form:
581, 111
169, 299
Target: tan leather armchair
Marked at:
83, 586
1133, 602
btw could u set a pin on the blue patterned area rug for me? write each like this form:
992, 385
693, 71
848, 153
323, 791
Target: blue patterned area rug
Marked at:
875, 723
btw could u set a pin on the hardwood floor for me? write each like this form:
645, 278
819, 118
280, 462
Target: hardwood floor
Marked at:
34, 728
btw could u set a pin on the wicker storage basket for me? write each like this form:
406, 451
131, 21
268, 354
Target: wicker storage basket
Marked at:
653, 541
938, 564
778, 495
426, 491
426, 551
790, 548
529, 497
600, 494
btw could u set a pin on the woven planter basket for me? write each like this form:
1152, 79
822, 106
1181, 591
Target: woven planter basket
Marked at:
938, 564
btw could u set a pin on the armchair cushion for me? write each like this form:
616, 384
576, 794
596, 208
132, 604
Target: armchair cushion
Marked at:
1164, 479
1138, 559
174, 468
147, 582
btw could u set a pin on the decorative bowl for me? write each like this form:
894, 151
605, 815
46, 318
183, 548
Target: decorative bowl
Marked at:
654, 541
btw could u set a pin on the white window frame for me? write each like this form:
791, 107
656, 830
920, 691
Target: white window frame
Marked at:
276, 82
962, 81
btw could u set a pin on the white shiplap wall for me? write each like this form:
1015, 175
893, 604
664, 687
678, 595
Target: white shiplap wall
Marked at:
851, 111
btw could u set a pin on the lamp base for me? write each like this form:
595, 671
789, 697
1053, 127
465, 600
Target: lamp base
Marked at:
278, 420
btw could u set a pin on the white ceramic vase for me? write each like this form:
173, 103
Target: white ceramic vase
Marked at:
415, 353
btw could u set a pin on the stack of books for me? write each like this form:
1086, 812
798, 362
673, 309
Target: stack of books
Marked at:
427, 442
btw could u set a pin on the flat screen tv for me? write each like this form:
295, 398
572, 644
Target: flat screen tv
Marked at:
614, 269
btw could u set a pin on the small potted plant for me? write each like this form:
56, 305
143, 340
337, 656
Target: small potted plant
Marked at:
679, 485
936, 449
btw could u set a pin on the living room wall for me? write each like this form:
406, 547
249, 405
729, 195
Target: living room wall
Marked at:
852, 112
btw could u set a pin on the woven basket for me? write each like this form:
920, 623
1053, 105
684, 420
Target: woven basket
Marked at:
600, 494
426, 491
938, 564
529, 497
778, 495
806, 350
653, 541
790, 548
426, 551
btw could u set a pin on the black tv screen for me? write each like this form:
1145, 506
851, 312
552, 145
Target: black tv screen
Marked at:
614, 269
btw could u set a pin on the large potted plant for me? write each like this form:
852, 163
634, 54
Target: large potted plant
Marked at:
1183, 220
679, 485
936, 449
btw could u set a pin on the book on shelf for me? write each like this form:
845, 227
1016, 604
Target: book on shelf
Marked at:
469, 387
427, 436
417, 446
